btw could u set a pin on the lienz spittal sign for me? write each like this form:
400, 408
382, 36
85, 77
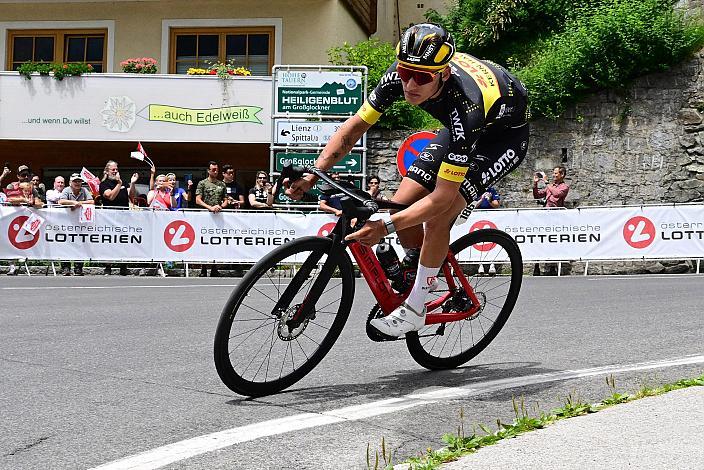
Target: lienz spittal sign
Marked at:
123, 107
311, 133
323, 92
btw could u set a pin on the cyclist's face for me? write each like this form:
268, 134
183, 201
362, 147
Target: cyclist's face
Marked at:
416, 94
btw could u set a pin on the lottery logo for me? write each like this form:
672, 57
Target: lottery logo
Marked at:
179, 236
19, 237
639, 232
480, 225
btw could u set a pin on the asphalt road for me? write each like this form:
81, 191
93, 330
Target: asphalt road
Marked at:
97, 370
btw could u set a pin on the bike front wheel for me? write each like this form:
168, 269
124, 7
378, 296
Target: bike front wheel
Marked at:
492, 263
258, 351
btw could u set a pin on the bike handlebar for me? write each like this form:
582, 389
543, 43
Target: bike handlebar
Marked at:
363, 208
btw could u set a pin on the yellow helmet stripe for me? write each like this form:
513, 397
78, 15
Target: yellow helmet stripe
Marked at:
411, 65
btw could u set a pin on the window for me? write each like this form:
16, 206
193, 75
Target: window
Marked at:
57, 46
252, 48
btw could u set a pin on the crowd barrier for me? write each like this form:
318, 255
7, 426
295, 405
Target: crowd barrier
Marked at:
590, 233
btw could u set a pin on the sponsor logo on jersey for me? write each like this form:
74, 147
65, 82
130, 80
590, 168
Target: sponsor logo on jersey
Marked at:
424, 175
504, 110
457, 125
457, 158
468, 188
388, 77
500, 167
426, 157
452, 172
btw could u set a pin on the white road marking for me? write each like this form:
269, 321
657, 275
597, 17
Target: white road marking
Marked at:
168, 454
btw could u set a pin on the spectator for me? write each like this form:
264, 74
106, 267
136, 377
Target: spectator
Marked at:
53, 195
490, 199
39, 186
114, 194
26, 195
261, 196
5, 172
74, 196
210, 194
555, 192
234, 192
160, 197
13, 191
331, 204
181, 196
374, 190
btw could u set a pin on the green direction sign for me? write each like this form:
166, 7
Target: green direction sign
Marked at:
350, 163
312, 92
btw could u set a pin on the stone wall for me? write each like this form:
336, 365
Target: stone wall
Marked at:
643, 146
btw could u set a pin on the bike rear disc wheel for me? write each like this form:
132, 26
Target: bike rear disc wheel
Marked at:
255, 352
497, 292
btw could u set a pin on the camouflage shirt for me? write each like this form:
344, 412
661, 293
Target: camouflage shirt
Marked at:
212, 193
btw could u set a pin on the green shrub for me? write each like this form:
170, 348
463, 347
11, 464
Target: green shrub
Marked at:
378, 56
606, 48
564, 49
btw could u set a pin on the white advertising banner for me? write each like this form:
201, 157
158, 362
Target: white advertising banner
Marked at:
127, 107
598, 233
153, 235
542, 235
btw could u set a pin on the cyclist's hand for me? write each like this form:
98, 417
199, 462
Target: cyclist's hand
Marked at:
296, 189
370, 234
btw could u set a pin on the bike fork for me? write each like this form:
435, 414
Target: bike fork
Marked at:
317, 289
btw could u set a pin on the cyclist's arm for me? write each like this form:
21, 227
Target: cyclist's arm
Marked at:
342, 142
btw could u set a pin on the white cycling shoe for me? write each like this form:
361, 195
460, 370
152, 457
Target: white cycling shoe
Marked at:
401, 321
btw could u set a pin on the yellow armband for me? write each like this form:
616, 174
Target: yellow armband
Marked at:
368, 113
451, 172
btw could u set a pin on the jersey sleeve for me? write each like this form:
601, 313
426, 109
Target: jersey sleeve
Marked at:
387, 91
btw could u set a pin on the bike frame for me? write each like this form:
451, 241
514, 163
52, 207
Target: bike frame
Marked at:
373, 273
389, 300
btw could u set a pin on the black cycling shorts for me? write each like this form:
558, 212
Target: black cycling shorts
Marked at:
495, 155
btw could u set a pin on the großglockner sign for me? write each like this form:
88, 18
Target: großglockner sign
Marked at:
125, 107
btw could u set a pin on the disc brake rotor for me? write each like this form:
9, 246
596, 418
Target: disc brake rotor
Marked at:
285, 332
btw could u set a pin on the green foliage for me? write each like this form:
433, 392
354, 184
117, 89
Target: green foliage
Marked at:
60, 70
564, 49
378, 56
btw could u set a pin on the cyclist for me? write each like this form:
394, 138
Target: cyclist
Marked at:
484, 110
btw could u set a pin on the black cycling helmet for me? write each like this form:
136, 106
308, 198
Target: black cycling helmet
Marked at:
425, 46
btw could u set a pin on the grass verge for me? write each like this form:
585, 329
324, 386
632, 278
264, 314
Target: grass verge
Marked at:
459, 443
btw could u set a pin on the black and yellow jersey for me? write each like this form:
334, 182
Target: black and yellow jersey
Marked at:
478, 98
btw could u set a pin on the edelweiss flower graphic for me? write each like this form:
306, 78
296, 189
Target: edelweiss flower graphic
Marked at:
119, 114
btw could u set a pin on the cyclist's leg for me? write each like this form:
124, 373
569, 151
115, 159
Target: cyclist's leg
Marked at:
419, 182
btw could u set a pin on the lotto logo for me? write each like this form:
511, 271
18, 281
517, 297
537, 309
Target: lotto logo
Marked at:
19, 237
481, 225
639, 232
179, 236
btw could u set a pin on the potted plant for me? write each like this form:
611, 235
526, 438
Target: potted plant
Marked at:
139, 65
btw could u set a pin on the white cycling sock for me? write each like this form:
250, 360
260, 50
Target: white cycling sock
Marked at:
425, 280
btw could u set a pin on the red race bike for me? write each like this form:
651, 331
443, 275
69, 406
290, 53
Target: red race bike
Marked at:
290, 308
